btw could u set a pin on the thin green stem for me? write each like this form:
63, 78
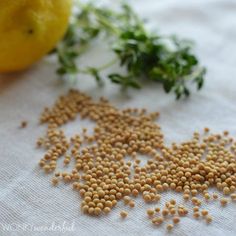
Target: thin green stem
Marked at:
82, 48
101, 68
107, 65
104, 22
197, 72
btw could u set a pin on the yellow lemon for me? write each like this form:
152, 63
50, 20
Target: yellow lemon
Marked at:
29, 29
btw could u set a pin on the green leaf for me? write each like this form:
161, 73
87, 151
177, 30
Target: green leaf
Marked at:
186, 92
61, 71
168, 85
95, 73
125, 81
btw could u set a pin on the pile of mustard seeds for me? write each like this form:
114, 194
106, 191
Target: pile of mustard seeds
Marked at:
103, 176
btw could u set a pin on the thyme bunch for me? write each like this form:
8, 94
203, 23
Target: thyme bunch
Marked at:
145, 56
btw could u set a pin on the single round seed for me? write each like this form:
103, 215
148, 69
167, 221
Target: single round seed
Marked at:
196, 215
157, 209
196, 208
165, 212
91, 210
97, 211
233, 197
172, 211
107, 210
208, 219
55, 181
223, 201
172, 201
85, 209
204, 212
108, 204
127, 199
135, 192
132, 204
176, 220
123, 214
186, 197
206, 129
147, 198
23, 124
215, 196
226, 190
169, 227
57, 174
150, 212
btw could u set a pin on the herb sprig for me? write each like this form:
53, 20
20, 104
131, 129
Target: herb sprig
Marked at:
146, 56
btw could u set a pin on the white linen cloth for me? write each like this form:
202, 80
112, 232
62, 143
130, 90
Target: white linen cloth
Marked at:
29, 203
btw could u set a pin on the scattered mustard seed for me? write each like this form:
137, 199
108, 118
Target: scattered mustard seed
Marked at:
102, 175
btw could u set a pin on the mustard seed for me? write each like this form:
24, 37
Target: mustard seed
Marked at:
23, 124
55, 181
147, 198
85, 209
215, 196
126, 200
176, 220
91, 210
97, 211
196, 215
208, 219
150, 212
131, 204
196, 208
204, 212
233, 197
165, 212
226, 190
107, 210
169, 227
157, 209
123, 214
172, 211
223, 201
206, 129
172, 201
